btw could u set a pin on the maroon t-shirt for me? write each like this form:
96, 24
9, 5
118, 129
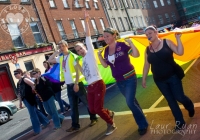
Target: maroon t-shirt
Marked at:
122, 67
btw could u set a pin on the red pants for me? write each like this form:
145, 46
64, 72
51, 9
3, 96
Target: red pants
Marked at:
96, 93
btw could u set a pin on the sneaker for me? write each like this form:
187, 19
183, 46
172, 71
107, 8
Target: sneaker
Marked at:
142, 131
56, 128
45, 126
93, 122
112, 116
191, 112
110, 129
71, 129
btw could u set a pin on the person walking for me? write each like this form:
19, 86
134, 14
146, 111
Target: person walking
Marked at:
24, 92
96, 87
73, 79
117, 57
159, 55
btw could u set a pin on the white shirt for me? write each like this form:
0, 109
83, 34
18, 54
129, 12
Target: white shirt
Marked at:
67, 75
89, 67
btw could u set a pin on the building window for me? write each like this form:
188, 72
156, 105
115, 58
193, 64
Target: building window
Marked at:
61, 30
160, 19
132, 5
65, 3
21, 0
141, 21
121, 24
167, 17
74, 29
136, 19
168, 2
102, 24
15, 35
162, 3
114, 23
141, 4
52, 3
173, 16
107, 4
155, 4
147, 5
153, 20
133, 22
83, 23
136, 4
94, 26
36, 32
120, 3
87, 6
29, 65
126, 4
127, 23
96, 5
114, 4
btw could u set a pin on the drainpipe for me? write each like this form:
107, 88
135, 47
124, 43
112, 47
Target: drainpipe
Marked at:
106, 12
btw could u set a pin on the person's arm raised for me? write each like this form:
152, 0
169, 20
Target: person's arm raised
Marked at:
52, 58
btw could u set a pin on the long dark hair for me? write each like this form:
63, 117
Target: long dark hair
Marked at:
48, 65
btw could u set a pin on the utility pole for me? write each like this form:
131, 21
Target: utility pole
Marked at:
129, 19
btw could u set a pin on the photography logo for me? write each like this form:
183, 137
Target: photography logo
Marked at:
14, 19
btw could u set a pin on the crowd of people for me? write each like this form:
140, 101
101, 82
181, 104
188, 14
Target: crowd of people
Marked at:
158, 57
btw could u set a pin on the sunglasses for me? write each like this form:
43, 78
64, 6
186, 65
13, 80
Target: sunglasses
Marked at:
16, 73
34, 73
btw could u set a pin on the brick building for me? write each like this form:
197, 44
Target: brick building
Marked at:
21, 37
66, 19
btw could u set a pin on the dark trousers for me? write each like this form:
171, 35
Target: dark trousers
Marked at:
172, 90
73, 101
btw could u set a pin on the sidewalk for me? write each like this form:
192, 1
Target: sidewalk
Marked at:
161, 124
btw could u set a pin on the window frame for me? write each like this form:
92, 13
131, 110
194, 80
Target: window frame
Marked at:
102, 23
31, 64
155, 4
121, 24
37, 33
52, 3
75, 31
65, 2
63, 30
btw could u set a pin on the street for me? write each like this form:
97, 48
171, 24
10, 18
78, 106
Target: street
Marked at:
150, 99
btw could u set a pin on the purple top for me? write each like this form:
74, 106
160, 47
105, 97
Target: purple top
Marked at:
122, 68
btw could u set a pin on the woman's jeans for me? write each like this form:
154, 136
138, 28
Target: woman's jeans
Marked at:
36, 117
172, 90
60, 101
51, 109
73, 100
128, 89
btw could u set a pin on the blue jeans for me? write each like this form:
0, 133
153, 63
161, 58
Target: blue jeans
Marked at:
128, 89
172, 90
73, 101
41, 107
36, 117
50, 107
60, 101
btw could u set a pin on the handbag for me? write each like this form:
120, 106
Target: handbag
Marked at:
178, 69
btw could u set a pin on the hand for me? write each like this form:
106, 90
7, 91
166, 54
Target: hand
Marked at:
86, 16
57, 52
100, 51
144, 83
178, 35
76, 87
20, 105
128, 40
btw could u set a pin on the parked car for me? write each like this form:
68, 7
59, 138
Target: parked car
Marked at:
7, 109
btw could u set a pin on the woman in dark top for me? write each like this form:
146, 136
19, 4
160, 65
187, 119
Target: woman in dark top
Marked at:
57, 90
24, 92
43, 88
159, 55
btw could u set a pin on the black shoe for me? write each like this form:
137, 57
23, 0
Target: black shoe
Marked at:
142, 131
179, 127
93, 122
72, 129
191, 112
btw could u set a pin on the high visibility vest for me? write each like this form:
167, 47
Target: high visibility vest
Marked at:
72, 57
